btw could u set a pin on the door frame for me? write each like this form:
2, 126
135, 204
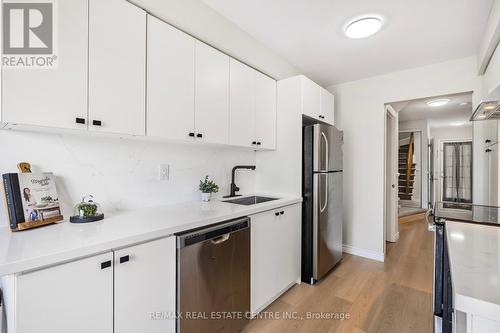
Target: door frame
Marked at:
391, 139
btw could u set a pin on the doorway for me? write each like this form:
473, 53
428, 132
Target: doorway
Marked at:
410, 169
391, 231
456, 173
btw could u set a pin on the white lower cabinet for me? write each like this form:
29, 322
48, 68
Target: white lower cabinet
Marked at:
275, 254
76, 297
135, 286
145, 285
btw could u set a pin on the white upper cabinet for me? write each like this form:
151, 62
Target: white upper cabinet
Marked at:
265, 111
317, 102
242, 105
53, 97
211, 95
170, 78
327, 109
310, 98
252, 108
117, 67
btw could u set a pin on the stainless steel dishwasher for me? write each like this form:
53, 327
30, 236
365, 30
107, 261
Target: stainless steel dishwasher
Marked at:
213, 278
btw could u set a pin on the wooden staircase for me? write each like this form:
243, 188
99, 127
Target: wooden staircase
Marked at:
406, 170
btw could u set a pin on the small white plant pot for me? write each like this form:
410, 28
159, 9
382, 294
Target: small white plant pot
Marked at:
205, 197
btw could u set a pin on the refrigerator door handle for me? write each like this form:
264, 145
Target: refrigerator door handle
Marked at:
327, 152
325, 187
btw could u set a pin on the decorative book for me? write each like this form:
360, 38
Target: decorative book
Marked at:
32, 200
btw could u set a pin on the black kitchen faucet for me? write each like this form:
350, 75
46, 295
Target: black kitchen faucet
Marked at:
235, 188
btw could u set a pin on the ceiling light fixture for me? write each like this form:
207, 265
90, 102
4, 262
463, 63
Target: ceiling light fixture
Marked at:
363, 27
458, 123
438, 102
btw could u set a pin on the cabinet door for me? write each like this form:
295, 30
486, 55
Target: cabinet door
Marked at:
242, 105
53, 97
265, 243
310, 98
117, 67
75, 297
145, 285
211, 95
290, 246
275, 249
170, 108
327, 106
265, 110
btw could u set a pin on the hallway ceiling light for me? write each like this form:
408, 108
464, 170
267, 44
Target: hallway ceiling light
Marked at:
363, 27
458, 123
438, 102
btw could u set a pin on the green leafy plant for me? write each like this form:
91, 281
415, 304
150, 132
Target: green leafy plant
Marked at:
208, 186
88, 209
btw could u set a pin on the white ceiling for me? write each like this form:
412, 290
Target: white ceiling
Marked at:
442, 116
309, 33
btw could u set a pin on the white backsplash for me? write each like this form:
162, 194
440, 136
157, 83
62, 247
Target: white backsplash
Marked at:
122, 173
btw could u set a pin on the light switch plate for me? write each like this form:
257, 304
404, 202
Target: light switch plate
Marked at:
164, 172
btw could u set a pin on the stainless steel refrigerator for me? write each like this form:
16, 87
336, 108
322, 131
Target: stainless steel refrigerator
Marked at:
322, 205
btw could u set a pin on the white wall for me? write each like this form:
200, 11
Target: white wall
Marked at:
122, 173
423, 127
201, 21
360, 113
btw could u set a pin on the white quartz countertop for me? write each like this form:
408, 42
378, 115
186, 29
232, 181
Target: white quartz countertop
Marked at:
36, 248
474, 252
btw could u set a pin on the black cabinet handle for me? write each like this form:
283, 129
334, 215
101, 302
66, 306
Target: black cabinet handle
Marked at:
199, 135
277, 213
488, 150
106, 264
487, 141
254, 142
124, 259
80, 120
282, 213
191, 134
259, 143
321, 117
96, 123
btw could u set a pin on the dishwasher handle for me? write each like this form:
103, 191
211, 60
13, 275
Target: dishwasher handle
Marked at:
217, 234
220, 239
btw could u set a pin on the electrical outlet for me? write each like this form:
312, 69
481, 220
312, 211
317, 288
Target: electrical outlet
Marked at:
164, 172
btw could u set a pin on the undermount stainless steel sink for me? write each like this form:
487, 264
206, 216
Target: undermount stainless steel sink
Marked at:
247, 201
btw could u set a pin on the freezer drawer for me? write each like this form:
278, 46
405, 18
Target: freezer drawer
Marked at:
327, 222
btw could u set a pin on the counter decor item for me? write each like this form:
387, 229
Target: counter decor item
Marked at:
31, 199
87, 211
207, 187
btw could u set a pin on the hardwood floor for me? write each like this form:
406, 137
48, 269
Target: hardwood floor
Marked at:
394, 296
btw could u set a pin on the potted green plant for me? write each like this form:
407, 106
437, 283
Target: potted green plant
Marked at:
207, 187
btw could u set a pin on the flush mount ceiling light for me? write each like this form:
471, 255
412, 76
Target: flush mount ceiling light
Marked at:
458, 123
438, 102
362, 27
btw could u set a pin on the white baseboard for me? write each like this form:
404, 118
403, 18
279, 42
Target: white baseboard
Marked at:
374, 255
